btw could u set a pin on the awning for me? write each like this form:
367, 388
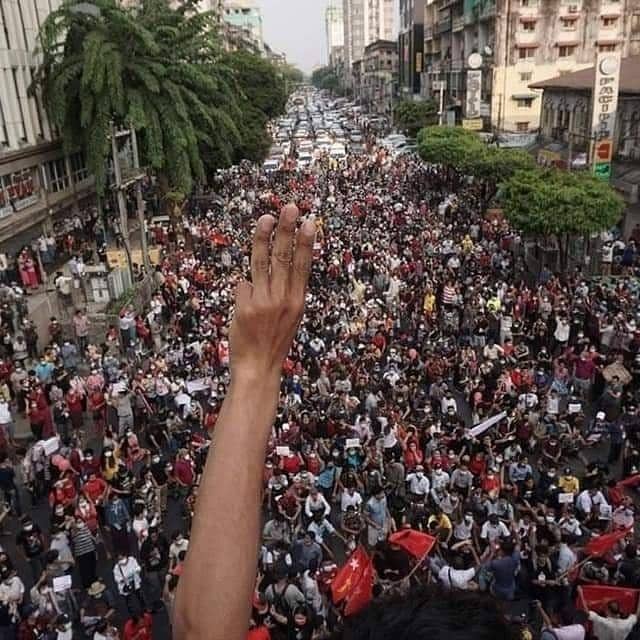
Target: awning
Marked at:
528, 19
604, 16
524, 96
608, 41
571, 18
527, 45
566, 43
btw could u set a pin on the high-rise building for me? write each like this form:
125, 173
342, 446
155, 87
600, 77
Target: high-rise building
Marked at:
365, 21
411, 45
334, 25
519, 42
245, 16
37, 182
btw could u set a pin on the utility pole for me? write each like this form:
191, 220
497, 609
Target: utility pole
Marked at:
140, 204
122, 205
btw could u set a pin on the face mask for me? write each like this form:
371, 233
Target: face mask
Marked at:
419, 474
468, 519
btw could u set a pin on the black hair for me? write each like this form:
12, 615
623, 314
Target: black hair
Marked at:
428, 613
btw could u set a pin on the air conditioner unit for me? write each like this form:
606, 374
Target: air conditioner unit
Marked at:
573, 8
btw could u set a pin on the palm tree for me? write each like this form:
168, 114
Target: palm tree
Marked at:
150, 67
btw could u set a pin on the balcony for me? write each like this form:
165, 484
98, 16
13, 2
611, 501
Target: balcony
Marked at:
444, 26
428, 33
457, 24
488, 10
469, 18
610, 7
456, 65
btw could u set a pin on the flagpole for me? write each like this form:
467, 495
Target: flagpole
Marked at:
417, 566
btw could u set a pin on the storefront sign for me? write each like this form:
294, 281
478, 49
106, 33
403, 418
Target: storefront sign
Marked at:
474, 86
605, 104
474, 124
17, 191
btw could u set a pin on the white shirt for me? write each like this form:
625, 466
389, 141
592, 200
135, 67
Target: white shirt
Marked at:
456, 578
611, 628
570, 632
128, 573
348, 500
492, 532
418, 485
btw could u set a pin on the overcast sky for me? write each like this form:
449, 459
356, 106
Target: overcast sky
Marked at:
296, 27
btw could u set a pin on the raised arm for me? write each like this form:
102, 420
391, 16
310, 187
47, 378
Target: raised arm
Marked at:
214, 593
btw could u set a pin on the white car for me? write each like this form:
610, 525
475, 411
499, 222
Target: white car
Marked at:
270, 165
338, 151
305, 160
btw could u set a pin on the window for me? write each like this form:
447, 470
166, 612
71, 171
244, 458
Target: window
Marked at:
529, 26
4, 134
609, 21
522, 127
36, 103
524, 103
27, 44
3, 19
566, 50
55, 174
525, 53
528, 3
568, 24
526, 76
635, 23
79, 167
606, 47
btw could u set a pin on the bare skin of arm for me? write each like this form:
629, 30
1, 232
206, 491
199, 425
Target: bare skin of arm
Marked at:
214, 593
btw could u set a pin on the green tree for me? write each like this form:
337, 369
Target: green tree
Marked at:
325, 78
411, 116
450, 146
560, 204
149, 66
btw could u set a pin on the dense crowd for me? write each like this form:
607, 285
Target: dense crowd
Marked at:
422, 323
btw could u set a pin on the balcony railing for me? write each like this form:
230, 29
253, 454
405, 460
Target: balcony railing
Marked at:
457, 23
444, 25
428, 33
488, 10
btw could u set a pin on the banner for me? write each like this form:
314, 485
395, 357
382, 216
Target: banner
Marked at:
487, 424
598, 596
605, 104
474, 86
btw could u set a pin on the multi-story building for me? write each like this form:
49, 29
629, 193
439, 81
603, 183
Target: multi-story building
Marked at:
365, 21
334, 25
38, 183
519, 42
411, 46
379, 77
245, 16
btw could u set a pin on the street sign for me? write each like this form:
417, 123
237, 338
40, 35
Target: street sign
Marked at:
602, 170
473, 100
473, 124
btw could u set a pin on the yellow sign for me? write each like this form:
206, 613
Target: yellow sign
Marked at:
118, 257
474, 124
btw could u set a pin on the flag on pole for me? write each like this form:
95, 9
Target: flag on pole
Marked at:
415, 543
353, 584
597, 597
603, 544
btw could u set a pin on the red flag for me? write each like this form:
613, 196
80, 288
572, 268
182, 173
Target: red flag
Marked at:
602, 544
415, 543
631, 481
353, 584
597, 597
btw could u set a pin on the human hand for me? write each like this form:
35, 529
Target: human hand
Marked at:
268, 310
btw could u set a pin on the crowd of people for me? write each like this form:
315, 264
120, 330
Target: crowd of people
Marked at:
434, 386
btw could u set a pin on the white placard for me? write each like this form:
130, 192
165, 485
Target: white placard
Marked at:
63, 583
575, 407
51, 445
565, 498
199, 384
282, 451
487, 424
352, 443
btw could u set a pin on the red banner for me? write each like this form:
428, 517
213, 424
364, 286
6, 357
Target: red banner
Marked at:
415, 543
597, 597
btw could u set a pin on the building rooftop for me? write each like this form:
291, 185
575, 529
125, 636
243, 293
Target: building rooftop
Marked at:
629, 78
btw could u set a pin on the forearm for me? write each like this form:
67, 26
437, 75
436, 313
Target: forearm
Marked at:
226, 527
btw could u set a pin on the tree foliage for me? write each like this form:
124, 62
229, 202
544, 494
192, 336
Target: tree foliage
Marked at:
559, 203
411, 116
158, 69
466, 152
326, 78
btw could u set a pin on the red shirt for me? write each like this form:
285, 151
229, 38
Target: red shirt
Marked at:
95, 489
184, 472
142, 630
259, 633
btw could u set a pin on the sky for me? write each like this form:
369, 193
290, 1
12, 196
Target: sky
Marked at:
296, 27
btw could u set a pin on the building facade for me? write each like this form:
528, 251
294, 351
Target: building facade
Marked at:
38, 183
379, 77
411, 46
519, 42
245, 16
365, 21
334, 26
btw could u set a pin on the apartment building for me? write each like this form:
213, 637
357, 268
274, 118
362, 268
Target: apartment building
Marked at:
379, 77
411, 46
244, 17
38, 184
365, 21
520, 42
